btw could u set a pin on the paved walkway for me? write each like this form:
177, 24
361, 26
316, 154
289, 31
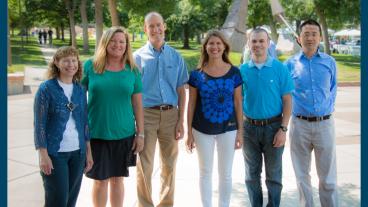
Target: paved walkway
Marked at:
25, 185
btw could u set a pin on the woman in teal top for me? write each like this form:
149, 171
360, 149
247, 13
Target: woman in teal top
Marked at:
115, 115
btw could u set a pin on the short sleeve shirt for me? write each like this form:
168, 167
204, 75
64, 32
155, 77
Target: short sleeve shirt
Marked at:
214, 112
263, 88
110, 110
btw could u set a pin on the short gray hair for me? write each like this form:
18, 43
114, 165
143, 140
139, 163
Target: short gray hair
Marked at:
151, 14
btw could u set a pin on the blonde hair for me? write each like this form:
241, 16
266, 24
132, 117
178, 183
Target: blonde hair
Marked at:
204, 55
65, 51
100, 59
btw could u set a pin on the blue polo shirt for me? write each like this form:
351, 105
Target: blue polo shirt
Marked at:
264, 87
162, 72
315, 82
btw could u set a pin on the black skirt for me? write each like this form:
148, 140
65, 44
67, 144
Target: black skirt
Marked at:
111, 158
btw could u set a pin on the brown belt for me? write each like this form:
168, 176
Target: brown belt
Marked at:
263, 122
314, 118
162, 107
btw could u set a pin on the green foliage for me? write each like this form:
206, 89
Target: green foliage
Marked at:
142, 7
259, 13
186, 18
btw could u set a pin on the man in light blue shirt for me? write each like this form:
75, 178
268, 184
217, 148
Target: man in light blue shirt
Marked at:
267, 108
164, 76
312, 124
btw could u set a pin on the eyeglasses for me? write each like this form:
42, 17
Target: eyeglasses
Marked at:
71, 106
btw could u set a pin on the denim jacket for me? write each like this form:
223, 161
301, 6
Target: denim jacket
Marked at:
51, 115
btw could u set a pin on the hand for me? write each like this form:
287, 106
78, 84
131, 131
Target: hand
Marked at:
179, 130
238, 140
45, 161
138, 144
89, 161
190, 143
279, 139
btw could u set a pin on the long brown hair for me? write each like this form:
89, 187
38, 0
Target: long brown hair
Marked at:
100, 59
65, 51
204, 55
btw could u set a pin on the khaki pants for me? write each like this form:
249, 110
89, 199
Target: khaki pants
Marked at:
319, 137
158, 125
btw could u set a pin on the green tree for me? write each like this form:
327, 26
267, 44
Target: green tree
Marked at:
136, 23
142, 7
114, 13
186, 20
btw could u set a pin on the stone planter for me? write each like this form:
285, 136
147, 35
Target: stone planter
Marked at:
15, 83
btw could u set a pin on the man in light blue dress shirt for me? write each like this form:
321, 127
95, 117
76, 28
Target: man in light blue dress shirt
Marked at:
164, 76
312, 124
267, 87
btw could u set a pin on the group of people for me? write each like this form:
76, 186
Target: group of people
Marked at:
138, 99
42, 36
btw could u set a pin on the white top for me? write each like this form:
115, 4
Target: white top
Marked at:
70, 141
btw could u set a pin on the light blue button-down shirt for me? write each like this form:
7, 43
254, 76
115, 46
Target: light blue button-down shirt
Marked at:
315, 82
263, 88
162, 73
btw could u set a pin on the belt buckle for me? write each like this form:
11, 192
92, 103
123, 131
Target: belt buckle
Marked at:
319, 118
162, 107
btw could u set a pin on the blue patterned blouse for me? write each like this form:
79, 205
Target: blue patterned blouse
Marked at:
214, 112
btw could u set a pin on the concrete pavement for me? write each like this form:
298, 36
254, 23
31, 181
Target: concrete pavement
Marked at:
25, 184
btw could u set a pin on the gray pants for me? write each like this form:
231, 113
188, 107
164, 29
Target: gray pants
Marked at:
318, 136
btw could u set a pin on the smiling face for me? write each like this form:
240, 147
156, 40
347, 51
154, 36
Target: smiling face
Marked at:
215, 47
310, 38
68, 66
155, 28
259, 43
117, 45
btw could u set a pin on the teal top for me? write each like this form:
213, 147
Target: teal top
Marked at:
110, 109
264, 87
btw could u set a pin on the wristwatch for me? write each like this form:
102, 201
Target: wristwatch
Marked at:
283, 128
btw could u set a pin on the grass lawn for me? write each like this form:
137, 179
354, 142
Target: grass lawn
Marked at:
348, 66
30, 54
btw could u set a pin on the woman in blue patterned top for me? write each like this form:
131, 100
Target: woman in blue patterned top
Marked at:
215, 116
61, 131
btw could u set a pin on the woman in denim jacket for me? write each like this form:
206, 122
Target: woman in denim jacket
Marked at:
61, 129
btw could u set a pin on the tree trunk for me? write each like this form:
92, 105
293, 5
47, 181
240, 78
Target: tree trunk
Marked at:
83, 11
62, 32
186, 37
198, 37
297, 24
57, 33
70, 6
274, 35
114, 13
322, 19
98, 20
234, 27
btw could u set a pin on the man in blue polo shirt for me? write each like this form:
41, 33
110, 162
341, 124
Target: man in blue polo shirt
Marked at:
312, 125
267, 109
164, 75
